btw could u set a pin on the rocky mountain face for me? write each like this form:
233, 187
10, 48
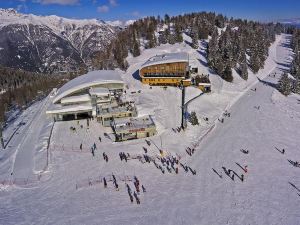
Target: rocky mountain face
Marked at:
50, 43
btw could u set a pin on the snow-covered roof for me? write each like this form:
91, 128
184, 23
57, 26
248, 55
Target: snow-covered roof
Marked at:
57, 108
99, 91
76, 98
204, 84
133, 123
88, 80
167, 58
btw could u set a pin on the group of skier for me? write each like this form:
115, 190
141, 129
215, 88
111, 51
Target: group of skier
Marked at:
122, 156
232, 174
176, 130
105, 157
226, 113
190, 151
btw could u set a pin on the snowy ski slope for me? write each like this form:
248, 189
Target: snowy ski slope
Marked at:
260, 122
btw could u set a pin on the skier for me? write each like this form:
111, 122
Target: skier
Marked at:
100, 139
283, 151
242, 177
105, 183
81, 146
131, 198
144, 189
145, 149
246, 169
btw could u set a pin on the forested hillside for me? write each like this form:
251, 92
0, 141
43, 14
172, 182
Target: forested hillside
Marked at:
232, 43
20, 88
288, 84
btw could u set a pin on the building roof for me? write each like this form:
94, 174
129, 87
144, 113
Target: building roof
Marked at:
57, 108
167, 58
99, 91
76, 99
90, 79
133, 123
128, 107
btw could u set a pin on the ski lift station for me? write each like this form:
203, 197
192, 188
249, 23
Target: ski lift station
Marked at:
171, 69
98, 94
165, 70
80, 97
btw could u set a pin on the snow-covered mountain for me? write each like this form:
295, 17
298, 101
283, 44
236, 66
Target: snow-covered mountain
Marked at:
293, 21
120, 23
47, 43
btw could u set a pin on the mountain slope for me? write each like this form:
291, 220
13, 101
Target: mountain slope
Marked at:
50, 43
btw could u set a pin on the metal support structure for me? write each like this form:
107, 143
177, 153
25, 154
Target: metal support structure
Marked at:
183, 108
1, 137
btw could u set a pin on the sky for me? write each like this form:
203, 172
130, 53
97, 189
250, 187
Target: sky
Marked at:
260, 10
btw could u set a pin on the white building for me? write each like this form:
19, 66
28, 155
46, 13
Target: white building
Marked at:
133, 128
80, 97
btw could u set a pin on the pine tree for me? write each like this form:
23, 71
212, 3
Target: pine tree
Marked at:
193, 119
171, 39
284, 84
254, 62
203, 32
296, 86
227, 74
243, 69
195, 42
178, 34
212, 49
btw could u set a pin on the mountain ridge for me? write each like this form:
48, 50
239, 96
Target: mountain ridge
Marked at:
50, 43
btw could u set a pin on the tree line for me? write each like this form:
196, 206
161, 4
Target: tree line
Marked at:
18, 88
233, 43
287, 84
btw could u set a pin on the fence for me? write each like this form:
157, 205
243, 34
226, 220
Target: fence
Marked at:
195, 145
22, 182
98, 180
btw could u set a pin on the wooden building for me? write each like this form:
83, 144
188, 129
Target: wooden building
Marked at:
165, 70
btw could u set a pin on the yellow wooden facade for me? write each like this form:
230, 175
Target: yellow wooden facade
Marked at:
167, 74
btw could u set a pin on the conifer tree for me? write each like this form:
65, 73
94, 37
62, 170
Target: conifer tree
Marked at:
296, 86
193, 119
284, 84
195, 42
243, 70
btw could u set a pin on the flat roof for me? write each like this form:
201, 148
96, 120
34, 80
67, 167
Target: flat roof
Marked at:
167, 58
133, 123
90, 79
117, 109
205, 84
99, 91
57, 108
76, 98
